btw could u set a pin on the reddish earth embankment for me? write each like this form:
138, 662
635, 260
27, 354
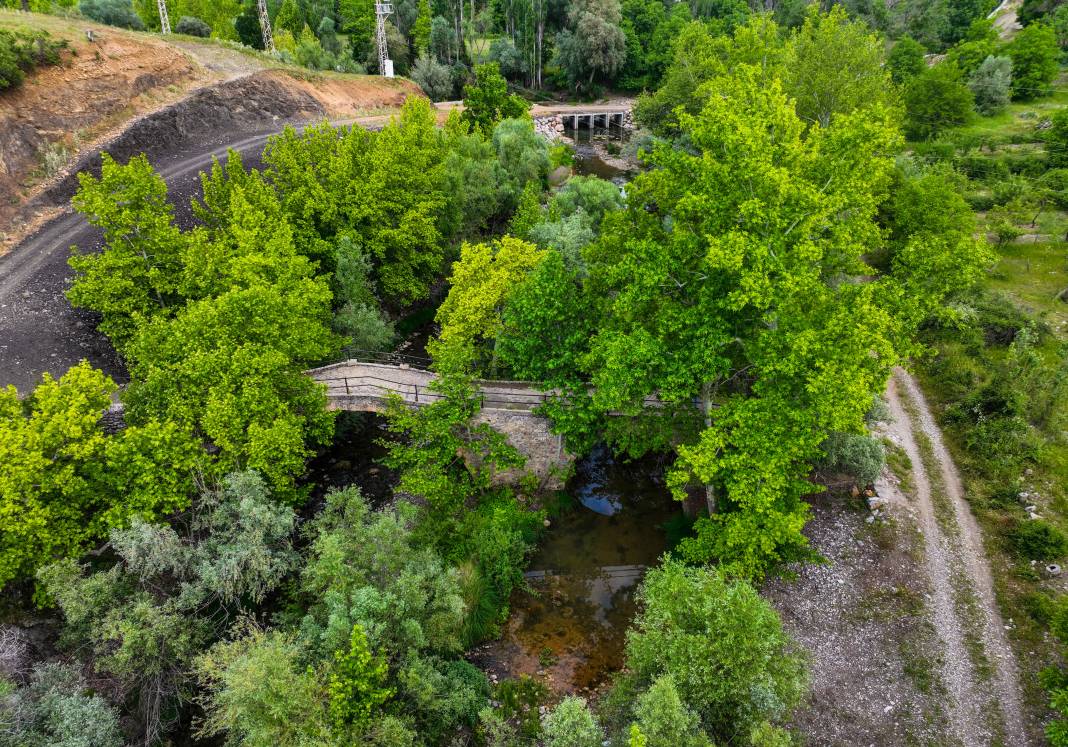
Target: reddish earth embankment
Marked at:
129, 93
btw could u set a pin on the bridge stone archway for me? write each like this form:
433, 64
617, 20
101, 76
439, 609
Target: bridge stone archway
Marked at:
508, 406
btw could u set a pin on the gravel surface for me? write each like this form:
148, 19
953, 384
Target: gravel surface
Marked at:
861, 617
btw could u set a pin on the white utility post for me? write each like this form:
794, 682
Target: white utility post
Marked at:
265, 26
164, 19
385, 65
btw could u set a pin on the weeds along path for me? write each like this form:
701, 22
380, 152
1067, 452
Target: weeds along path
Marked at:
978, 668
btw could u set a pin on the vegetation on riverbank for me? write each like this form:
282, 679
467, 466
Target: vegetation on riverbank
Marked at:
739, 308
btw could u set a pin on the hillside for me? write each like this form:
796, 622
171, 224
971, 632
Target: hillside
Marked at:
119, 81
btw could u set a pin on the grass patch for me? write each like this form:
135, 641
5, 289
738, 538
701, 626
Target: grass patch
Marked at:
899, 463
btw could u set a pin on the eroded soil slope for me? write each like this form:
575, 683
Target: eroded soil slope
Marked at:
130, 92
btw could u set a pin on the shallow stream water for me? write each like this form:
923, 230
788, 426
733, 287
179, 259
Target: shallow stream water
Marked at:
570, 625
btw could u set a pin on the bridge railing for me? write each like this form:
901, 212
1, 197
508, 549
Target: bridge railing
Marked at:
421, 394
390, 359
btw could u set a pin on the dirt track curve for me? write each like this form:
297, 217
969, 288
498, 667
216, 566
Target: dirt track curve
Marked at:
978, 666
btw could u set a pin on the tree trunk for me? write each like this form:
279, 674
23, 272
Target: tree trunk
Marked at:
25, 6
706, 404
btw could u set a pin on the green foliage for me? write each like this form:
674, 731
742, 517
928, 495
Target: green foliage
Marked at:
20, 53
936, 100
991, 84
137, 276
686, 272
65, 483
906, 60
834, 66
664, 720
192, 26
545, 326
862, 457
146, 618
593, 196
289, 18
259, 694
470, 316
1034, 53
112, 12
420, 31
433, 77
1057, 139
357, 684
487, 101
748, 671
1038, 540
570, 724
58, 709
443, 696
386, 191
365, 568
593, 45
523, 156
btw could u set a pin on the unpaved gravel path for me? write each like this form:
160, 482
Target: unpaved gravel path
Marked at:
978, 669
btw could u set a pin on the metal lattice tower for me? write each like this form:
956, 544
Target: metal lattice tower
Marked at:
265, 26
164, 19
385, 65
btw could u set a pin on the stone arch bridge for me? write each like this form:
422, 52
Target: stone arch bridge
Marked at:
364, 384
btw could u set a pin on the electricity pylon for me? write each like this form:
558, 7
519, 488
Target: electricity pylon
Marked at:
164, 19
385, 65
265, 26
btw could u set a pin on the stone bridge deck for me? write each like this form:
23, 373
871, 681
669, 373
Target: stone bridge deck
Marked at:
363, 387
508, 406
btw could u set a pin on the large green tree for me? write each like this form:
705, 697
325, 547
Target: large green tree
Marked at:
65, 483
722, 283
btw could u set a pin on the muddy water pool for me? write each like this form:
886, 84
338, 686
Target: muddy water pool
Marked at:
569, 626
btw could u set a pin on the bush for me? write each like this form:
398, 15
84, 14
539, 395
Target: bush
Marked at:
192, 26
861, 456
1034, 54
1038, 540
991, 85
571, 724
905, 60
57, 709
748, 670
1057, 139
935, 100
433, 77
112, 12
20, 53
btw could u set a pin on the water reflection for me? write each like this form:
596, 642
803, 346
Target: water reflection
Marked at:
572, 627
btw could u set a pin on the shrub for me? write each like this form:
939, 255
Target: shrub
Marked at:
905, 60
20, 53
1038, 540
935, 100
112, 12
861, 456
748, 670
433, 77
192, 26
991, 85
57, 708
1057, 139
487, 101
1034, 54
571, 724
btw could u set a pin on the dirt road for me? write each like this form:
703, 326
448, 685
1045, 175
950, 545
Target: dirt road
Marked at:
978, 668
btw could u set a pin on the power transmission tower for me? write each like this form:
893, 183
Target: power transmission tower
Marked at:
385, 65
265, 26
164, 19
